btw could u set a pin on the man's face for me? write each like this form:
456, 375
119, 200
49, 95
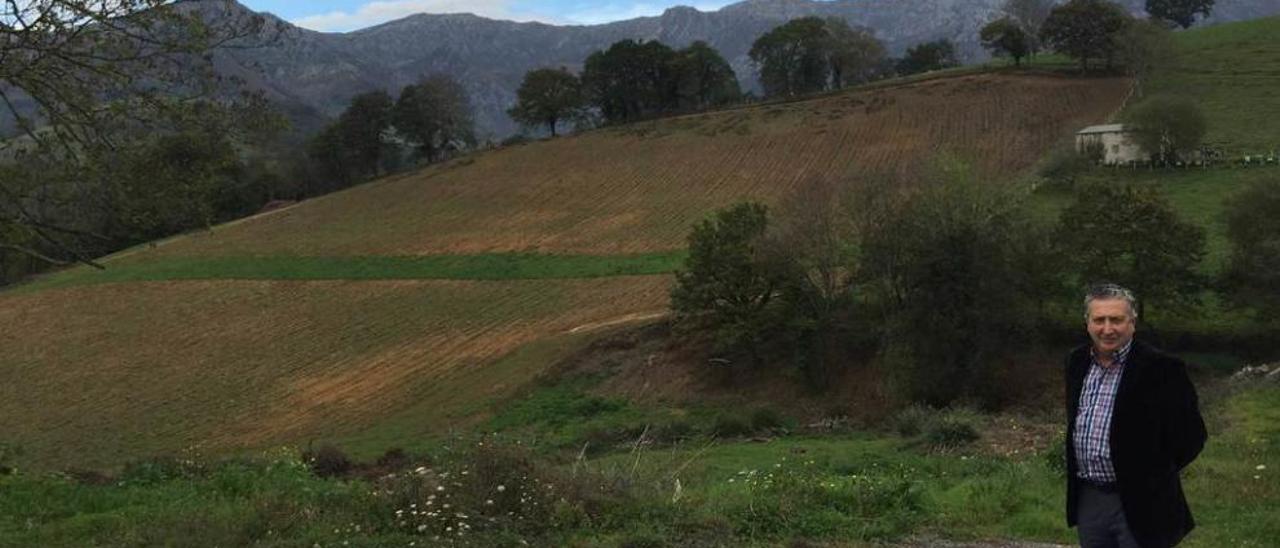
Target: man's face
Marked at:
1110, 324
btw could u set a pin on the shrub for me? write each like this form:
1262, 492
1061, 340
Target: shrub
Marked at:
950, 431
1253, 228
8, 456
327, 462
936, 260
161, 469
911, 421
730, 426
1063, 165
1055, 456
673, 430
766, 418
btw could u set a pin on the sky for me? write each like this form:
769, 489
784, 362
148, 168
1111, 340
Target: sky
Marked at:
347, 15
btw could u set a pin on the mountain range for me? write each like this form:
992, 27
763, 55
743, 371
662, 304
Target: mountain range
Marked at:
313, 75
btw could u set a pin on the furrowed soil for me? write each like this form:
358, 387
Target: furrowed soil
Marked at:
99, 374
638, 188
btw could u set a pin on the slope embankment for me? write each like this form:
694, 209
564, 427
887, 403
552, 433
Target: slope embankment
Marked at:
178, 348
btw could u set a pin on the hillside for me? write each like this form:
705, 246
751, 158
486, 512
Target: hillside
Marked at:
318, 73
104, 367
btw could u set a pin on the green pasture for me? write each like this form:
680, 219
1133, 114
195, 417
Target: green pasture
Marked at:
850, 488
494, 266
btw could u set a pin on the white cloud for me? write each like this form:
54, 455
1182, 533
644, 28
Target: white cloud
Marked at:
619, 11
373, 13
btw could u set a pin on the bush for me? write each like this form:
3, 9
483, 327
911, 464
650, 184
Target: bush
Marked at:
911, 421
8, 456
161, 469
767, 418
950, 431
730, 426
1064, 165
1055, 456
327, 462
937, 259
1253, 228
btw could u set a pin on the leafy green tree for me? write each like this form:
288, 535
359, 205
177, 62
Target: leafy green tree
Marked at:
935, 55
1005, 37
855, 55
704, 78
631, 80
1030, 16
1252, 274
80, 78
171, 183
548, 96
812, 246
959, 269
1166, 126
1085, 29
1179, 12
435, 115
1130, 235
361, 126
725, 283
793, 58
1145, 47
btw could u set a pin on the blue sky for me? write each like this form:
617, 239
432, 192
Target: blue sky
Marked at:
345, 15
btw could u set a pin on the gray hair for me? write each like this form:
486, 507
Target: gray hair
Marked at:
1110, 291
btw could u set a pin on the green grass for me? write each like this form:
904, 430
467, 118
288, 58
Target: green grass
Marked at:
852, 488
1231, 72
498, 266
1198, 195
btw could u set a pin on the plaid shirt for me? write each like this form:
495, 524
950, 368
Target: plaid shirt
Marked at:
1092, 439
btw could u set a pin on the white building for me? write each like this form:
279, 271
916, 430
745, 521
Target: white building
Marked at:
1113, 141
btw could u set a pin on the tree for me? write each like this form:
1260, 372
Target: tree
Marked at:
935, 55
793, 58
725, 283
1165, 126
1179, 12
548, 96
1030, 16
79, 78
631, 80
435, 115
812, 247
362, 125
1005, 36
1085, 29
1130, 235
703, 78
171, 183
1144, 47
854, 54
1253, 230
959, 269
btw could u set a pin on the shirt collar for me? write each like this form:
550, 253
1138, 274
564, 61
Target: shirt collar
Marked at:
1121, 356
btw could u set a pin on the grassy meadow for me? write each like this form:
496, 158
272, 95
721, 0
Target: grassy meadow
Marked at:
430, 312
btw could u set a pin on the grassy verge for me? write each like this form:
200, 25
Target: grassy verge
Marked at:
852, 489
498, 266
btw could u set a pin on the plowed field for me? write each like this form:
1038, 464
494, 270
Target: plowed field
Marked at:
100, 374
638, 188
97, 374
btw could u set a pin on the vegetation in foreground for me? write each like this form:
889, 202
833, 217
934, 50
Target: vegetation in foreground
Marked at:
927, 475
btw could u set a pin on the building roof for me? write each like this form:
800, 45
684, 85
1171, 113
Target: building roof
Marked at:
1105, 128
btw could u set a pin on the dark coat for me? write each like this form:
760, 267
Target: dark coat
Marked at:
1156, 431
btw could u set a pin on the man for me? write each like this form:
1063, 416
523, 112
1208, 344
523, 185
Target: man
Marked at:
1133, 422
